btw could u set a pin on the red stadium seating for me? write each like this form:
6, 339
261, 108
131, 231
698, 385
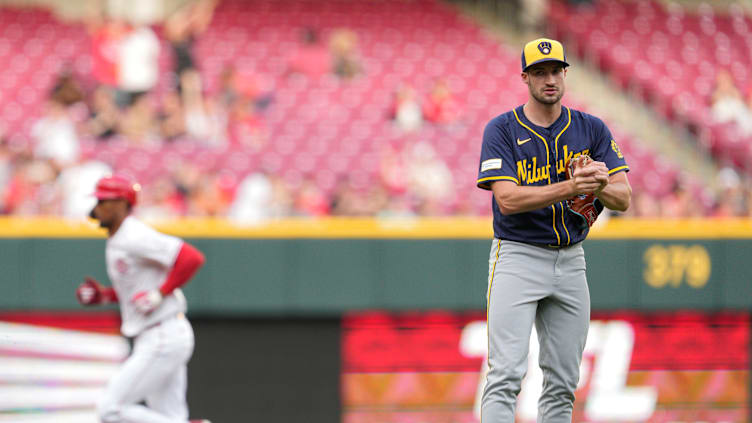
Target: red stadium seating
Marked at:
671, 57
324, 128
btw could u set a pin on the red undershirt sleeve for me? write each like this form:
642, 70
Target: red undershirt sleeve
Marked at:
188, 261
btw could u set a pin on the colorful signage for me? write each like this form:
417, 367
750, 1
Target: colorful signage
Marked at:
657, 367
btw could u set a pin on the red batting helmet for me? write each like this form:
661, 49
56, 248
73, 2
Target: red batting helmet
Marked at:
117, 187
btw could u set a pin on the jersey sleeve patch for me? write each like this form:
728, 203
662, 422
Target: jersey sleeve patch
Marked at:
490, 164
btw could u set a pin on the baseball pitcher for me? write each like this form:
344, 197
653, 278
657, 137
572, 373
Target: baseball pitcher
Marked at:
147, 269
551, 170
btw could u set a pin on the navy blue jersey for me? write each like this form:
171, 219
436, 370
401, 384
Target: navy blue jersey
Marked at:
514, 149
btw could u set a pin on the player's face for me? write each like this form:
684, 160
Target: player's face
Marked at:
109, 212
545, 81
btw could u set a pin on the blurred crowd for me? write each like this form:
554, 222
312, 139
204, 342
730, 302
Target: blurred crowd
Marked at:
733, 199
411, 181
729, 105
118, 102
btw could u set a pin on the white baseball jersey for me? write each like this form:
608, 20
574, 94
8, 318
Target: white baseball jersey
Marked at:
139, 259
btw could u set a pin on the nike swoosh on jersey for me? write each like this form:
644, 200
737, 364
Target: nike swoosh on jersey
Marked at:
523, 141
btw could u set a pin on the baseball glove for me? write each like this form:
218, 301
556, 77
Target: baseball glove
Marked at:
586, 206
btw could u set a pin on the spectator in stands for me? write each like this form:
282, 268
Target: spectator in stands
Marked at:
644, 205
204, 120
343, 45
248, 87
312, 58
253, 200
727, 103
137, 64
261, 196
243, 98
105, 43
183, 28
75, 185
677, 203
397, 206
440, 107
185, 176
392, 171
139, 122
247, 129
748, 198
430, 181
310, 200
532, 17
730, 199
229, 85
344, 200
197, 122
55, 136
7, 159
282, 198
66, 90
405, 109
212, 195
103, 114
31, 190
376, 201
246, 126
161, 200
745, 124
172, 117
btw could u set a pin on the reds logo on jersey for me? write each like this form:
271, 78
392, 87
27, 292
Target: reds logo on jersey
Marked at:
121, 266
544, 47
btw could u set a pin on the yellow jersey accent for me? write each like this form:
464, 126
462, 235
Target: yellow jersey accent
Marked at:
488, 297
616, 169
553, 224
548, 164
491, 277
569, 239
556, 140
498, 178
556, 145
616, 149
531, 130
530, 173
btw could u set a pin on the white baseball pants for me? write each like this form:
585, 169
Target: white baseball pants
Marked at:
156, 372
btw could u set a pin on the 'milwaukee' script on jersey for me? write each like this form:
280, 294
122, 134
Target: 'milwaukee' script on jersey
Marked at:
529, 172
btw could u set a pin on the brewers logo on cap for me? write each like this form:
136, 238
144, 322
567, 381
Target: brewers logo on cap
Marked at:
542, 50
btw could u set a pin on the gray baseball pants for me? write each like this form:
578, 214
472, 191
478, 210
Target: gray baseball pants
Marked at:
530, 284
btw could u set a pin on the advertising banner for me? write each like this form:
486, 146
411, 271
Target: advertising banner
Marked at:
657, 367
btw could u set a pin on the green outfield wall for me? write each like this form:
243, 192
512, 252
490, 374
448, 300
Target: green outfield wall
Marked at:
327, 267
